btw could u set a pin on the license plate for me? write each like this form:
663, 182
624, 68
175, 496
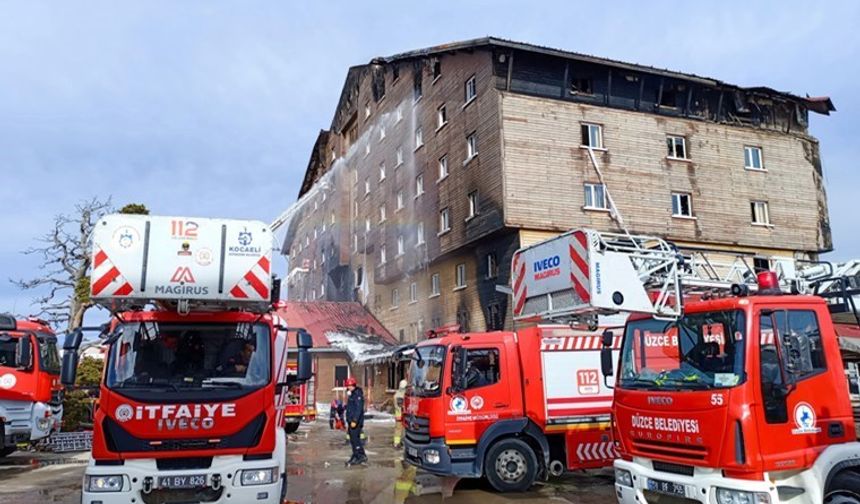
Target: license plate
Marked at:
412, 452
667, 487
182, 482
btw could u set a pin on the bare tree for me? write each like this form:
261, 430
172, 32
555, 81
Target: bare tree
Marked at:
63, 280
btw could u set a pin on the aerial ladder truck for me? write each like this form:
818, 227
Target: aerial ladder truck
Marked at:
729, 385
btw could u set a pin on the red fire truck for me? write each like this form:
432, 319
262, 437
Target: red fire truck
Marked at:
301, 401
31, 396
511, 406
725, 392
195, 379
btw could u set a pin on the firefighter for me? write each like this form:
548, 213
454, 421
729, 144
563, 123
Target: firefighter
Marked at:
399, 398
355, 421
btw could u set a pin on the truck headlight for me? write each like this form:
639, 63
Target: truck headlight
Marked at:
106, 483
44, 424
624, 478
431, 456
258, 476
729, 496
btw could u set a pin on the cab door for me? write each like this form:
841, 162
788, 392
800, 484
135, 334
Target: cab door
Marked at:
483, 395
800, 407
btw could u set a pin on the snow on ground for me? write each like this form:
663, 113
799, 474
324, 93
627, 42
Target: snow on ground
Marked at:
370, 416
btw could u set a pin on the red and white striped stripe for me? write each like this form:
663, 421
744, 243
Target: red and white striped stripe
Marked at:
596, 451
518, 276
767, 338
579, 272
582, 343
255, 282
106, 279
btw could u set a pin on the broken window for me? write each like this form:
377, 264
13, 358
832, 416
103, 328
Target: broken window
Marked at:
677, 147
417, 92
582, 86
682, 205
752, 158
473, 204
492, 265
437, 68
760, 214
595, 196
592, 135
671, 94
495, 322
441, 117
444, 221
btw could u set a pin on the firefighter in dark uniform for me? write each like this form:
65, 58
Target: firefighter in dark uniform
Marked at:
355, 421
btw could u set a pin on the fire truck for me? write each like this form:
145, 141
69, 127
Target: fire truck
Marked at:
729, 387
31, 396
195, 378
301, 401
511, 406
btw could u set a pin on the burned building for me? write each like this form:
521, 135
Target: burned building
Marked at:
439, 163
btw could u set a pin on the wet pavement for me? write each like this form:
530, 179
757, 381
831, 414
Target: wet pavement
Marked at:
316, 474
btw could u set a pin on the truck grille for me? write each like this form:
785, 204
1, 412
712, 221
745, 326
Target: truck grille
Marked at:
417, 429
675, 450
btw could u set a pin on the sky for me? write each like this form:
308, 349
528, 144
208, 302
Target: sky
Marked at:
210, 108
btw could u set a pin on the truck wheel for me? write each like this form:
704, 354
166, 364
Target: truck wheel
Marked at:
844, 488
291, 427
511, 466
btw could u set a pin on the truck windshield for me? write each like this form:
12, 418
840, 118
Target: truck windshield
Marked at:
175, 356
426, 370
699, 351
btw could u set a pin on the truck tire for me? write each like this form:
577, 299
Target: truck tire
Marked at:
844, 488
511, 466
291, 427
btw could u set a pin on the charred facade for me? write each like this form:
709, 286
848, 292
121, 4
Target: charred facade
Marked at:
440, 163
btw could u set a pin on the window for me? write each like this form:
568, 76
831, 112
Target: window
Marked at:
399, 155
444, 221
435, 285
494, 319
395, 73
322, 291
492, 266
443, 167
482, 367
316, 234
677, 147
761, 264
413, 292
401, 249
381, 172
795, 336
752, 158
367, 225
471, 89
316, 205
399, 113
402, 334
582, 86
381, 133
366, 186
367, 110
359, 276
473, 204
323, 226
332, 218
592, 136
382, 254
437, 69
419, 240
355, 207
417, 92
682, 205
355, 242
313, 294
400, 199
395, 298
460, 280
595, 197
367, 149
760, 214
381, 213
419, 138
471, 146
333, 155
441, 117
341, 373
419, 185
463, 319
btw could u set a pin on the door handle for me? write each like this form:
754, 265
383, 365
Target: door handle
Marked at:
500, 405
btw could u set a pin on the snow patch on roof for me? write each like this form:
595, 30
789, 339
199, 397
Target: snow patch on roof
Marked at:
361, 347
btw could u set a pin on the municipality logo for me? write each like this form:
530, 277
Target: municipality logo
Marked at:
123, 413
804, 419
245, 238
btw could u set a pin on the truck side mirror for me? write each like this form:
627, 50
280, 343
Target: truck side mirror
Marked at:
606, 355
24, 353
304, 365
71, 345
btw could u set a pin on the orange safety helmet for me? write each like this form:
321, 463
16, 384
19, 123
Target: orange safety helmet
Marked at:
349, 382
